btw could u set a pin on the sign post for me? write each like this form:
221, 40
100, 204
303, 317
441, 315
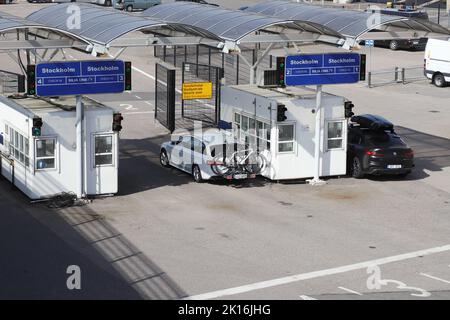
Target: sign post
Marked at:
370, 44
320, 69
79, 145
317, 141
78, 78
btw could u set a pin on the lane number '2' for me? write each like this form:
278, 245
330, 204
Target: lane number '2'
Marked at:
374, 282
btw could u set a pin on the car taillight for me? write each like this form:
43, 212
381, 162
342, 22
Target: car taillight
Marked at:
373, 154
409, 154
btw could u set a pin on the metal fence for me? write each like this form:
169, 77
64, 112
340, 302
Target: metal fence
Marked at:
165, 96
205, 110
236, 68
395, 75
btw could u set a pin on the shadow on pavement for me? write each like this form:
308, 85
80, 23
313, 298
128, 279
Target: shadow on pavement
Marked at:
39, 244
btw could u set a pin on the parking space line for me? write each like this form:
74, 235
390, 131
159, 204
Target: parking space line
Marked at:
316, 274
350, 291
435, 278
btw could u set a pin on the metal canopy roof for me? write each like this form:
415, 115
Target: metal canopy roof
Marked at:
350, 23
226, 24
98, 25
10, 23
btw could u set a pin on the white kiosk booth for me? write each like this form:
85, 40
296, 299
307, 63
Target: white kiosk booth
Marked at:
45, 165
290, 144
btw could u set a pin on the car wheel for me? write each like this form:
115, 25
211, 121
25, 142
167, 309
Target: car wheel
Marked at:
164, 159
108, 3
393, 45
439, 80
130, 8
357, 172
197, 174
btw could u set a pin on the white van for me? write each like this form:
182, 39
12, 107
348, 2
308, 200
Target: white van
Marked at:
437, 62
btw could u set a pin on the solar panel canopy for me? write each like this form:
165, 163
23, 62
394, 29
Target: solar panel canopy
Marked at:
349, 23
226, 24
97, 24
9, 22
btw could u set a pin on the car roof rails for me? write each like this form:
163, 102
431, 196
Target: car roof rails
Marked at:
373, 122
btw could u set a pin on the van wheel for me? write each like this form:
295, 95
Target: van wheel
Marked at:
393, 45
439, 80
357, 172
197, 174
130, 8
108, 3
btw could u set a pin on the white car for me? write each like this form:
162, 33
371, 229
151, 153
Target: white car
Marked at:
211, 155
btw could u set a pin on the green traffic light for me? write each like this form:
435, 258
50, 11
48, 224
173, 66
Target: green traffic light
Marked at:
36, 132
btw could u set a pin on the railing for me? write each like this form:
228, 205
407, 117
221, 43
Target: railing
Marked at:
394, 76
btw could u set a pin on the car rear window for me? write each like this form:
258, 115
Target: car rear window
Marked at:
377, 138
228, 149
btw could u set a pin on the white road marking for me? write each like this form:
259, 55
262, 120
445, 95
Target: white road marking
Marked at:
434, 278
350, 291
144, 73
138, 97
307, 297
165, 84
316, 274
149, 103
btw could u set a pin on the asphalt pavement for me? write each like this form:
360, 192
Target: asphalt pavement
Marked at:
165, 237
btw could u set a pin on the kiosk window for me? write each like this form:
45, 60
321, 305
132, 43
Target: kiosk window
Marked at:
286, 138
103, 150
18, 147
45, 154
335, 135
254, 133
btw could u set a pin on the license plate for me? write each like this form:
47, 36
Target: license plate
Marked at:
240, 176
394, 166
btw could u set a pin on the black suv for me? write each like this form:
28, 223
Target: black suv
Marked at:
374, 148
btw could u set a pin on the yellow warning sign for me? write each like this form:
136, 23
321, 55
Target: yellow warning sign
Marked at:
197, 90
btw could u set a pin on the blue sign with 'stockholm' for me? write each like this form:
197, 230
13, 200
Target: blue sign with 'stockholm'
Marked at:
318, 69
80, 77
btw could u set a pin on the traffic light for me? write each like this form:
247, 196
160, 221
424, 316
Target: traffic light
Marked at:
281, 68
128, 76
281, 112
36, 130
362, 67
31, 80
348, 108
117, 122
